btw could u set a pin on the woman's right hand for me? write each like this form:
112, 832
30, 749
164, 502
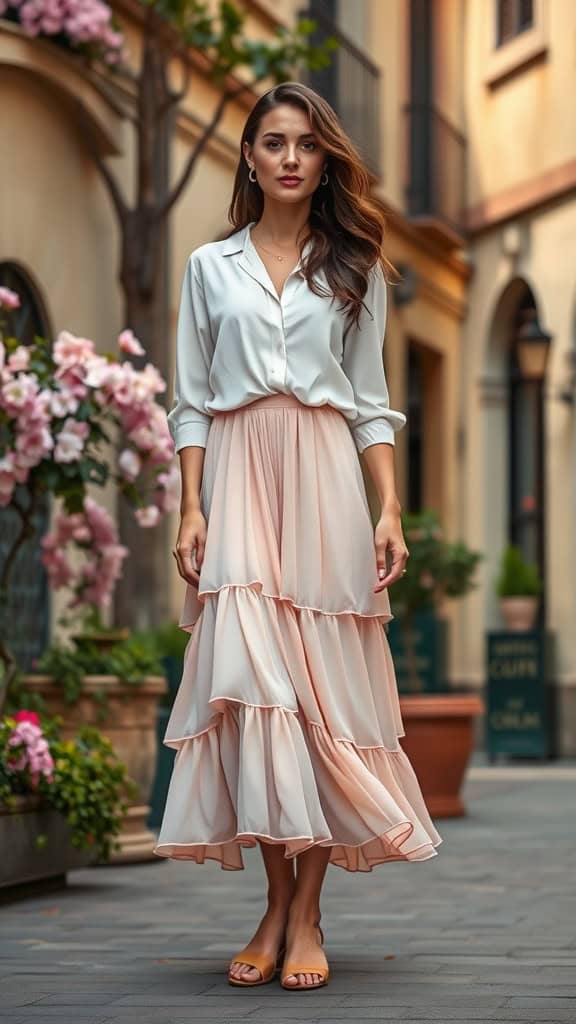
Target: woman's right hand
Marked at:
190, 544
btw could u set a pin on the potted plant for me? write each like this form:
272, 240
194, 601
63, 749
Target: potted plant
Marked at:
61, 801
518, 586
116, 688
439, 725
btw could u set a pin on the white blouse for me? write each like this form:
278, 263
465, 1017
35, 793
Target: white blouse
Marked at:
237, 341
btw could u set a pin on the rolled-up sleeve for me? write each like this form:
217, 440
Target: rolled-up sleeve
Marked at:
189, 423
376, 422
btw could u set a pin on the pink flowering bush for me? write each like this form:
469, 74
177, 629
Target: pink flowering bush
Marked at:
84, 25
92, 532
28, 752
81, 778
61, 410
55, 407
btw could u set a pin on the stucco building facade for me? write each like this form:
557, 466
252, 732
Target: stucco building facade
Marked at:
465, 134
519, 440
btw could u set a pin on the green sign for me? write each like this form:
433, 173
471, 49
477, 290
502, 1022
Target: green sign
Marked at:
427, 650
518, 715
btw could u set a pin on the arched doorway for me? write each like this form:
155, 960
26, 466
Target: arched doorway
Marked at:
526, 509
514, 435
30, 610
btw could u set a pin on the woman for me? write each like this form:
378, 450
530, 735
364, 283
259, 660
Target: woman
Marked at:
287, 719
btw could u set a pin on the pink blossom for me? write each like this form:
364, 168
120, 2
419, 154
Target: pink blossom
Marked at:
129, 464
92, 581
130, 344
83, 21
27, 716
148, 516
8, 298
63, 401
19, 360
70, 441
18, 393
70, 350
63, 529
118, 383
31, 749
162, 452
151, 436
102, 526
142, 437
71, 378
57, 566
170, 484
152, 382
33, 445
97, 371
7, 478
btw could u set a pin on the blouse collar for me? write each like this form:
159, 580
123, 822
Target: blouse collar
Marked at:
241, 244
240, 241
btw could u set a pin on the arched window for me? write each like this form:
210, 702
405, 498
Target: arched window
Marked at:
29, 613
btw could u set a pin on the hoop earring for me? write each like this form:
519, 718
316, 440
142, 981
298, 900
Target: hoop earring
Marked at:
250, 178
325, 175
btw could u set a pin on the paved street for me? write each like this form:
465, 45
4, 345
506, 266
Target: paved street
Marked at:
484, 932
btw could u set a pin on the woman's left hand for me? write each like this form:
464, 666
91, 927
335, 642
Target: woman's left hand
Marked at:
388, 537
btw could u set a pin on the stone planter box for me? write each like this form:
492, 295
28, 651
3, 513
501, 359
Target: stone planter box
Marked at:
26, 868
128, 719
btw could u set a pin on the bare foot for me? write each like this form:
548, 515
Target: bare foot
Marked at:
304, 945
267, 941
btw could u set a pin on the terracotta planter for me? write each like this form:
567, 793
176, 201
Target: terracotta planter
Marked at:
439, 740
128, 719
519, 613
25, 867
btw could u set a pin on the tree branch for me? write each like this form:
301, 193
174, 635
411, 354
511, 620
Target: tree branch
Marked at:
176, 192
174, 98
112, 185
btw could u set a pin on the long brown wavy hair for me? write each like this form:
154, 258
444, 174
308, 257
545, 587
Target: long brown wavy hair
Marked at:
346, 225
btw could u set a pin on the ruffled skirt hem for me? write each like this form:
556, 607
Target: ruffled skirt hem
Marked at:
268, 775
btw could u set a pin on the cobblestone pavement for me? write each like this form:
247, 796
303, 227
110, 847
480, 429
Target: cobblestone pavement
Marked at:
486, 931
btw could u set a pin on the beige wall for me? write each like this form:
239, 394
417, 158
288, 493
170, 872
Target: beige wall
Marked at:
522, 125
449, 18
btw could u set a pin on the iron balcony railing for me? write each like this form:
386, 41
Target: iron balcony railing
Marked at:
436, 167
351, 85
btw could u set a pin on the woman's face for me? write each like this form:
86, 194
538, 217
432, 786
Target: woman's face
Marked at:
285, 145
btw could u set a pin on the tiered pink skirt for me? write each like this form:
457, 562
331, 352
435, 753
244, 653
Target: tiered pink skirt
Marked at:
287, 719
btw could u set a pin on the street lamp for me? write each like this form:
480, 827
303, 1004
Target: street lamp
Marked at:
532, 346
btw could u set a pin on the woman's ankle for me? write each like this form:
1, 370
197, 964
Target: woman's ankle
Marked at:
279, 904
302, 912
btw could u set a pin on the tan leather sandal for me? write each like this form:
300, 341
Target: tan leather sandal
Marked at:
267, 966
292, 967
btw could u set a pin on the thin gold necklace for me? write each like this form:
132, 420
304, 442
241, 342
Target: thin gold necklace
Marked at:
275, 255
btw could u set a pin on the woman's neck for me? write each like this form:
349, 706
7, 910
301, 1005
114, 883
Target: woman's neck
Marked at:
283, 226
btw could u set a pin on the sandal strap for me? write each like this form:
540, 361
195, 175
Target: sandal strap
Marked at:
296, 968
261, 963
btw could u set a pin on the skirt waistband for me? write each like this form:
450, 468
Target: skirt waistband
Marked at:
277, 400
